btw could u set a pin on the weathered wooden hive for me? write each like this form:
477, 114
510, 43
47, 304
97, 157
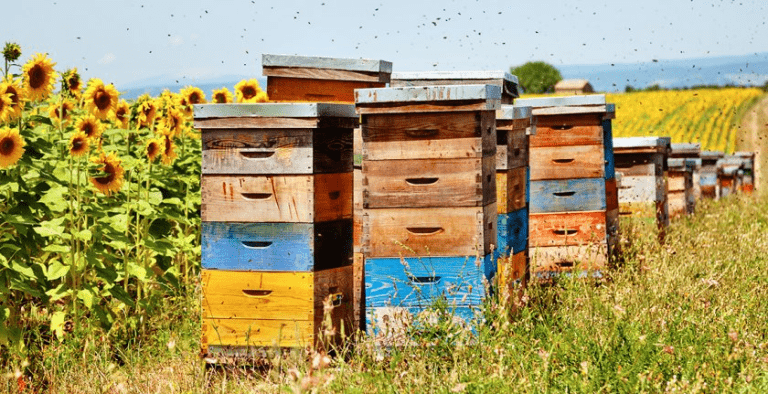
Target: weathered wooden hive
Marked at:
510, 87
573, 208
277, 222
680, 194
748, 184
730, 169
708, 179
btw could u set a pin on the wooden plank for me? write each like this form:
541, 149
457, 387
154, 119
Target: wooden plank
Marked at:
429, 183
290, 89
334, 303
568, 162
564, 229
458, 231
511, 189
677, 201
567, 130
566, 195
429, 107
517, 149
610, 160
429, 136
678, 180
512, 230
257, 295
582, 258
324, 74
640, 164
276, 246
321, 62
287, 198
388, 326
422, 281
357, 213
365, 98
611, 195
359, 290
642, 188
256, 123
512, 272
257, 332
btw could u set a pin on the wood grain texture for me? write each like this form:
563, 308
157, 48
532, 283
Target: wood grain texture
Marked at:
610, 160
427, 107
639, 164
429, 136
276, 246
511, 189
290, 89
512, 272
565, 229
357, 213
678, 203
258, 122
358, 288
422, 281
567, 162
429, 183
567, 195
387, 325
257, 332
562, 135
512, 230
679, 181
334, 302
641, 188
287, 198
258, 295
611, 195
323, 74
575, 259
516, 149
459, 231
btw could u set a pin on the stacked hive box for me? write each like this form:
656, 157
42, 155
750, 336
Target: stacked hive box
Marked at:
643, 192
680, 197
729, 171
429, 197
748, 185
708, 179
574, 208
690, 151
277, 222
513, 123
305, 78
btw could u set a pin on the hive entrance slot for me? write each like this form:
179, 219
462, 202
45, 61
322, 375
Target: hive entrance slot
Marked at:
565, 231
564, 194
421, 181
256, 196
256, 293
256, 244
257, 155
562, 127
424, 280
424, 230
563, 161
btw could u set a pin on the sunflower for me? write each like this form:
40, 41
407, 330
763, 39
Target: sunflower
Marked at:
169, 153
175, 121
193, 95
122, 114
222, 96
112, 178
100, 99
250, 92
13, 87
154, 146
11, 51
72, 82
11, 147
146, 111
5, 107
55, 109
78, 144
90, 126
39, 77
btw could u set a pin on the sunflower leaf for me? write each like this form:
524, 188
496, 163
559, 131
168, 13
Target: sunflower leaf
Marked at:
137, 271
54, 248
83, 235
58, 292
57, 324
40, 119
86, 296
54, 199
56, 270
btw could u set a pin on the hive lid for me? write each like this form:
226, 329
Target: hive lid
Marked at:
652, 143
515, 112
746, 155
569, 105
428, 93
685, 149
711, 155
730, 161
363, 65
419, 78
274, 110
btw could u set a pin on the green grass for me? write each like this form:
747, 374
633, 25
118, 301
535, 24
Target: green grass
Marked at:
687, 316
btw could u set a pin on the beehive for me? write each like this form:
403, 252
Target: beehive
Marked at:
690, 151
277, 223
510, 88
680, 191
573, 211
643, 192
749, 181
708, 178
729, 170
429, 195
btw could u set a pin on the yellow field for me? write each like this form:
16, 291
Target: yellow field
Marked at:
708, 116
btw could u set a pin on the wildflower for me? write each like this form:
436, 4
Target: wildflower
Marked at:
112, 179
100, 99
78, 144
250, 92
38, 77
222, 96
11, 147
90, 126
11, 51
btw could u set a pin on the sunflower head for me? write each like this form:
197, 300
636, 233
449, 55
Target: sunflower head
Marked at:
11, 147
38, 77
193, 95
222, 96
100, 99
122, 114
146, 111
248, 91
155, 148
12, 86
175, 121
90, 126
11, 52
110, 179
72, 83
169, 150
61, 110
78, 144
5, 107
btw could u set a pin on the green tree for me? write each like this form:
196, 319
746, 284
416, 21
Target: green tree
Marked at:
537, 77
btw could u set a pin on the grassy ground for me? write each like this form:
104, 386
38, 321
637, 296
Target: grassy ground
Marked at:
689, 316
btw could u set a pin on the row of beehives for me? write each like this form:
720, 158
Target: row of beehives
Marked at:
453, 179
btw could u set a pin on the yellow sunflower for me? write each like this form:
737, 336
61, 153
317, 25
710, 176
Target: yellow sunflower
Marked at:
122, 114
13, 87
222, 96
55, 110
193, 95
146, 111
72, 82
39, 77
11, 147
175, 121
154, 148
90, 126
169, 150
5, 107
112, 178
100, 99
78, 144
250, 92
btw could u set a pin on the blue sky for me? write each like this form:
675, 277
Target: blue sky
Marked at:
127, 42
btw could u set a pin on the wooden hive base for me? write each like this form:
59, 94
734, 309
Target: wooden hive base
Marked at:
557, 259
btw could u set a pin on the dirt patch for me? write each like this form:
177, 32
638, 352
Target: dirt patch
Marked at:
753, 136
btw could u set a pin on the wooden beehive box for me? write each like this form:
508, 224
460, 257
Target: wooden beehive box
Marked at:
573, 204
321, 79
708, 177
680, 186
510, 88
690, 151
748, 185
277, 222
728, 174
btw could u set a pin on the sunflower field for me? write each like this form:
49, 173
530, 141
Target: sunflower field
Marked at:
99, 202
706, 116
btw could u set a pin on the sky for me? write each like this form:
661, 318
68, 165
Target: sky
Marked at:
131, 42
